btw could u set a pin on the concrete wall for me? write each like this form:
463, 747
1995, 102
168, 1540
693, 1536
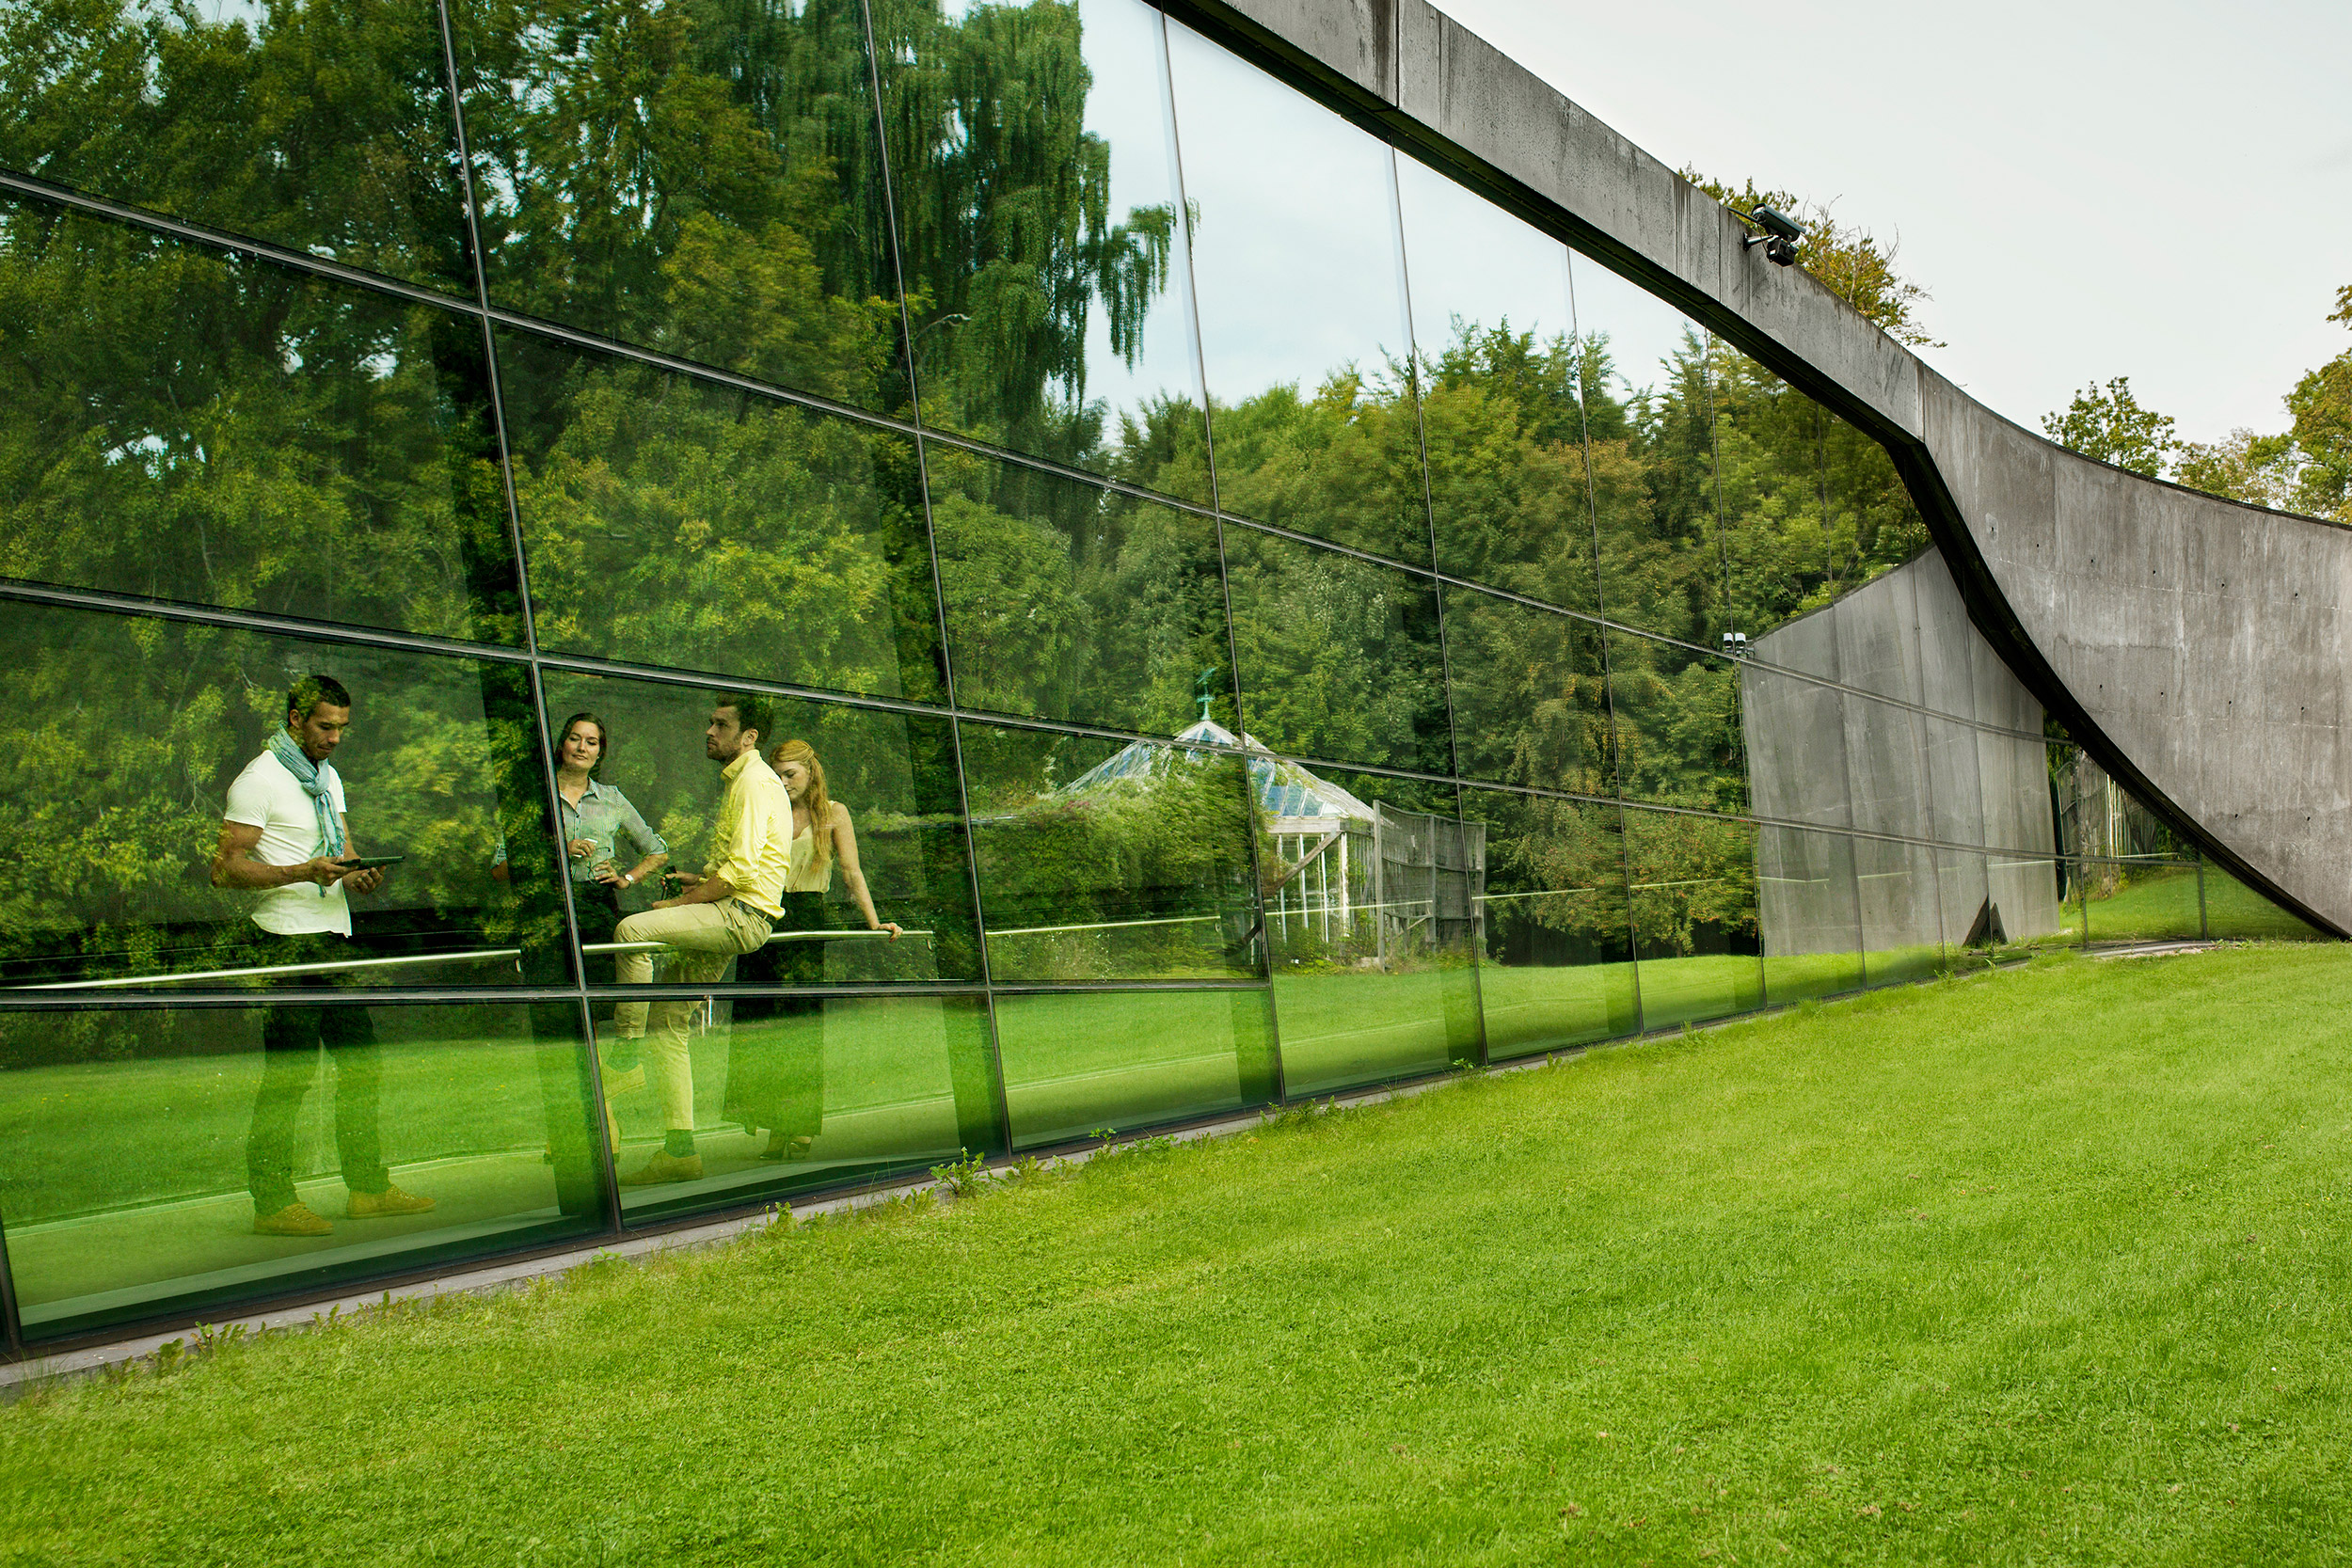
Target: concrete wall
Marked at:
2193, 645
1925, 735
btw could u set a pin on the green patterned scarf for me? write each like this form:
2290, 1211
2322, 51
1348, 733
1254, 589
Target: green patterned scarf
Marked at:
332, 842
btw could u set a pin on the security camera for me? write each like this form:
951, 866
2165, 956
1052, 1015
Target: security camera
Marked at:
1779, 238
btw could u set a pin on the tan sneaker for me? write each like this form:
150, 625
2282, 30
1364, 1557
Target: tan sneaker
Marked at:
665, 1167
295, 1219
382, 1204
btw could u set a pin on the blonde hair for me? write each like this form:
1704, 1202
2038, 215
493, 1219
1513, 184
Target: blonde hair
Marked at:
820, 804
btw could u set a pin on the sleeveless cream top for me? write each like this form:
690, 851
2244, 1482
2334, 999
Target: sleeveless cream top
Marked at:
803, 874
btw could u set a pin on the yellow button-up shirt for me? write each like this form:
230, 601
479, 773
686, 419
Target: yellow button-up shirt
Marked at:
752, 844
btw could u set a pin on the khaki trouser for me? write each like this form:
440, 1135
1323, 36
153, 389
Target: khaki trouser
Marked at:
706, 936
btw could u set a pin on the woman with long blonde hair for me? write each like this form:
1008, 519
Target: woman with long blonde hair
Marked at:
776, 1074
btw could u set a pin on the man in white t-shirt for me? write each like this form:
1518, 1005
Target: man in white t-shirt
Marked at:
286, 836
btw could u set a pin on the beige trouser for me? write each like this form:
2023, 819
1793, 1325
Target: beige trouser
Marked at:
706, 936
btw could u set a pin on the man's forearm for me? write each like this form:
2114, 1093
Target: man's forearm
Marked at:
710, 889
250, 876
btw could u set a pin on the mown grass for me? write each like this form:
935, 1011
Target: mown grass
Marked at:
2033, 1267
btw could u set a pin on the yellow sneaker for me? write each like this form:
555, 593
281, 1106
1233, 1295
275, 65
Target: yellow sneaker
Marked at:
382, 1204
665, 1167
295, 1219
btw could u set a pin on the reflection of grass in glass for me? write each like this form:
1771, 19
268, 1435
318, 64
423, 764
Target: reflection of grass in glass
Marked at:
2159, 904
887, 1081
123, 1184
2237, 910
1694, 990
1795, 977
1341, 1027
92, 1135
2068, 1194
1083, 1060
1532, 1007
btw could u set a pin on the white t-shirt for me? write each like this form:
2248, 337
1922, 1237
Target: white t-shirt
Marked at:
267, 796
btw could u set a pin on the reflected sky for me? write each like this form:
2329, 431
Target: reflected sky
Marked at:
1473, 263
1296, 254
1643, 331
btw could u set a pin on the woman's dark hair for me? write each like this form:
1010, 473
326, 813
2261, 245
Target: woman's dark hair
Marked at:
604, 739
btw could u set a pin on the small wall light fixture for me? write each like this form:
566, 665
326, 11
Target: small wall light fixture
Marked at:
1735, 645
1779, 238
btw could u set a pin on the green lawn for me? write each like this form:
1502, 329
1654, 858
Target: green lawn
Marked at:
2038, 1266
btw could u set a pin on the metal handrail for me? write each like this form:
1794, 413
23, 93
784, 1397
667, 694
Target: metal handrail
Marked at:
337, 966
1109, 925
1539, 893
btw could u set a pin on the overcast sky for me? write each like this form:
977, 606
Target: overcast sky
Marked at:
2089, 188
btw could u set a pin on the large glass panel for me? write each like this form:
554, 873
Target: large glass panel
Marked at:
2148, 900
1813, 508
1068, 601
1086, 1063
897, 843
1372, 921
194, 1159
147, 849
763, 1097
2025, 892
1102, 861
678, 522
1808, 913
1644, 369
1890, 792
1794, 734
324, 128
1340, 657
1033, 159
2234, 912
1555, 947
2137, 876
1501, 380
1680, 718
1528, 692
1999, 898
1302, 308
1949, 651
700, 179
191, 424
1902, 926
1694, 916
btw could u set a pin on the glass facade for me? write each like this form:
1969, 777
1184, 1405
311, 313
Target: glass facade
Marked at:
1218, 628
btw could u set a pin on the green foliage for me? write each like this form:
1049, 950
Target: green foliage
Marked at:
324, 128
1005, 223
2321, 404
2307, 467
671, 523
1171, 849
2107, 423
1850, 261
2260, 470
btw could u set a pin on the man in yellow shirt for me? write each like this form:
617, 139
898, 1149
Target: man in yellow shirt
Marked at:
728, 909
